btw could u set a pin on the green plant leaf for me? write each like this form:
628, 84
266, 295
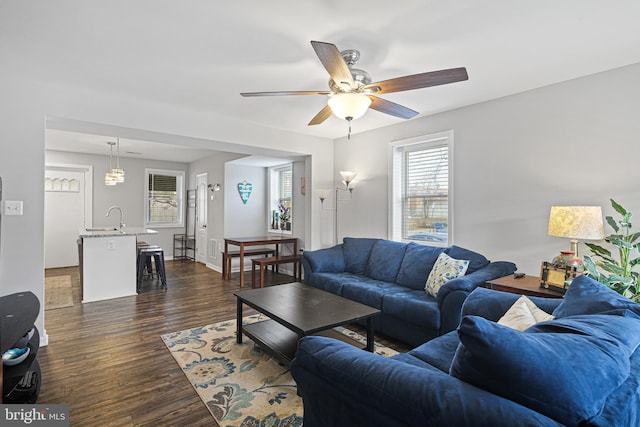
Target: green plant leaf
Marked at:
612, 223
614, 269
618, 207
598, 250
620, 242
592, 269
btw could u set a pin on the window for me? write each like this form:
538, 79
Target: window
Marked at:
163, 194
281, 179
422, 189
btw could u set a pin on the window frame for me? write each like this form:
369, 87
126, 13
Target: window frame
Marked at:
396, 183
180, 191
274, 198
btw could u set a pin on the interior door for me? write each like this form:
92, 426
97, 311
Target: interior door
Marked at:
64, 207
201, 218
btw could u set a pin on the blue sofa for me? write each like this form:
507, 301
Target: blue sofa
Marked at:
582, 368
391, 276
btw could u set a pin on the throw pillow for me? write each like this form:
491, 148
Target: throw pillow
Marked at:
523, 314
540, 370
588, 296
476, 260
445, 268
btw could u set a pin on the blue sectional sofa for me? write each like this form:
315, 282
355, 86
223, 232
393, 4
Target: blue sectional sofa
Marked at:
391, 276
580, 369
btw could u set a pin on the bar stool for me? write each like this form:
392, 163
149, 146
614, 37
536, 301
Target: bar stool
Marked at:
145, 254
148, 265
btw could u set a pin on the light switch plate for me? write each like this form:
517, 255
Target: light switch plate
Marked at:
12, 207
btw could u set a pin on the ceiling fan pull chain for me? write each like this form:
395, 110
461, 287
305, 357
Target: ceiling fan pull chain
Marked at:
349, 134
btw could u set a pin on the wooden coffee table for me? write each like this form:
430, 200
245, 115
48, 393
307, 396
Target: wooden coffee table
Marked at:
296, 310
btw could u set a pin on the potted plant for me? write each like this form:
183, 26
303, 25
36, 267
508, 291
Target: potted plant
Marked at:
285, 217
618, 273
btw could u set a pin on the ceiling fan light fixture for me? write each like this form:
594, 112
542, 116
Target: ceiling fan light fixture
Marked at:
349, 106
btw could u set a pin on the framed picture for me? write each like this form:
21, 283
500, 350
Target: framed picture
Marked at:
556, 277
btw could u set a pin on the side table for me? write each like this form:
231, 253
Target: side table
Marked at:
527, 285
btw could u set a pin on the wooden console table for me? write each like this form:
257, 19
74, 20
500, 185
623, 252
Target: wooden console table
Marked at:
243, 242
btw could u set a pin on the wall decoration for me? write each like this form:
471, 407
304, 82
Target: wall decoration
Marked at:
244, 189
61, 185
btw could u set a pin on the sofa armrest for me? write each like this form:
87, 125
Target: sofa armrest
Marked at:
471, 281
453, 293
492, 304
343, 385
329, 260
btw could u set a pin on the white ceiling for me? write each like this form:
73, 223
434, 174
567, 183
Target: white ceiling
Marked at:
200, 54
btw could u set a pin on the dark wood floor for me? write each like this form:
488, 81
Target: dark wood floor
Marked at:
107, 361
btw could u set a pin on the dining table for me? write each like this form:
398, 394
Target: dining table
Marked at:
243, 242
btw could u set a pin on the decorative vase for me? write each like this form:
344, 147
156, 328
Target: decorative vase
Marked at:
569, 258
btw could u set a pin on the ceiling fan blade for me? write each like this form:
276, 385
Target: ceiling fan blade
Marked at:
391, 108
418, 81
323, 115
334, 63
282, 93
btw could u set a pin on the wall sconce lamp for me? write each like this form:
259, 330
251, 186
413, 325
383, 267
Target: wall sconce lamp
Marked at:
214, 189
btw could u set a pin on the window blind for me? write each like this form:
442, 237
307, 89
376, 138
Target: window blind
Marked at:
425, 192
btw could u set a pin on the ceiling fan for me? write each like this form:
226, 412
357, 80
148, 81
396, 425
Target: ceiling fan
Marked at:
351, 92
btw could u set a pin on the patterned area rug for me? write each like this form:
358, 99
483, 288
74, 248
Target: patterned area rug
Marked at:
239, 383
57, 292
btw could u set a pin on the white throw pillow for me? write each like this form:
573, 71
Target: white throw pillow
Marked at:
444, 269
523, 314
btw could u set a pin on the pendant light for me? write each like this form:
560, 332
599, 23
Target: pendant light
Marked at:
118, 172
109, 178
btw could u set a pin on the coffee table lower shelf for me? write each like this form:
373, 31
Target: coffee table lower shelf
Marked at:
281, 342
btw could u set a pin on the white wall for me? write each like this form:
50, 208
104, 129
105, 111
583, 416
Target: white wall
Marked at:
214, 167
129, 195
572, 143
250, 219
24, 106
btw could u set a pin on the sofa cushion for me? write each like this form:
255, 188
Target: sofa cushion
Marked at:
476, 260
523, 314
438, 352
370, 292
445, 269
538, 368
415, 307
332, 282
417, 264
356, 253
588, 296
384, 260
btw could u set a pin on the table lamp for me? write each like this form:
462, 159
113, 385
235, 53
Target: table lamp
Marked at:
576, 223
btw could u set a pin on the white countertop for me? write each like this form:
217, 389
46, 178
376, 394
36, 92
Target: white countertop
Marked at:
111, 232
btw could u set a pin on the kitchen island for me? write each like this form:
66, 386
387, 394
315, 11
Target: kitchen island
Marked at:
108, 262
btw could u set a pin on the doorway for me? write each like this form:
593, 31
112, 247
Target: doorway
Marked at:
201, 218
67, 208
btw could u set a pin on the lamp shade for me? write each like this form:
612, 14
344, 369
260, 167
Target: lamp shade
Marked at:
347, 176
349, 105
576, 222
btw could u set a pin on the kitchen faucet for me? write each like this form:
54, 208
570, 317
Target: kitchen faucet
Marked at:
120, 210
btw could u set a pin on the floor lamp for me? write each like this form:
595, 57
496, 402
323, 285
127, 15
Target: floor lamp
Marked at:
349, 185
